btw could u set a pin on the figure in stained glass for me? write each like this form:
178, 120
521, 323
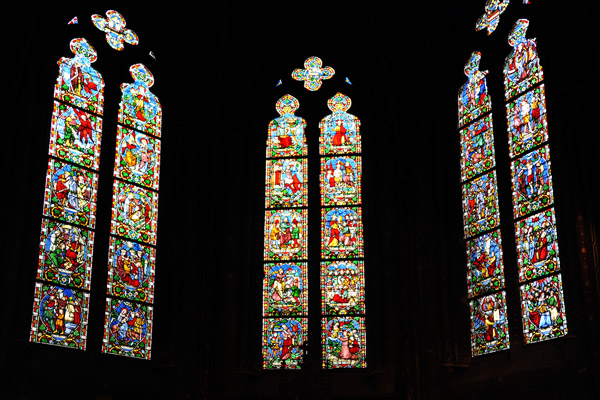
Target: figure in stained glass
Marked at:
59, 316
65, 255
139, 108
130, 270
480, 204
537, 245
134, 212
342, 285
137, 158
128, 329
285, 290
543, 309
71, 194
532, 182
341, 180
343, 341
75, 136
282, 338
116, 33
473, 97
491, 18
341, 233
485, 264
526, 121
286, 184
286, 133
78, 83
340, 131
313, 74
477, 145
489, 325
522, 67
285, 234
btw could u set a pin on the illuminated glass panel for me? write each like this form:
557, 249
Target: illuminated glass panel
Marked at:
477, 144
128, 328
131, 270
485, 264
65, 255
282, 338
532, 182
343, 342
489, 324
60, 316
286, 184
137, 158
285, 289
75, 136
340, 131
522, 69
71, 194
116, 33
286, 133
313, 74
285, 234
341, 180
480, 204
537, 245
139, 108
134, 212
342, 287
341, 233
491, 18
526, 119
543, 309
473, 98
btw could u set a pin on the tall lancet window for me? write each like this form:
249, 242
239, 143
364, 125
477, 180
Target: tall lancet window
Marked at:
542, 302
481, 216
61, 300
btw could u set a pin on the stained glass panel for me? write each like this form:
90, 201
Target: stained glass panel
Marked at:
340, 131
134, 212
342, 286
341, 180
485, 264
477, 144
489, 324
282, 338
285, 289
285, 234
137, 158
522, 69
139, 108
71, 194
286, 183
75, 136
341, 233
65, 255
128, 329
286, 133
543, 309
532, 182
526, 119
480, 204
343, 342
473, 98
60, 316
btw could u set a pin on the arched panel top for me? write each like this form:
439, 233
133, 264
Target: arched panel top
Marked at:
139, 108
340, 131
522, 68
286, 133
473, 98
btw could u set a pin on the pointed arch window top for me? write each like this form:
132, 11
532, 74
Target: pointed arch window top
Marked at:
313, 74
140, 108
491, 18
473, 98
116, 33
339, 103
287, 105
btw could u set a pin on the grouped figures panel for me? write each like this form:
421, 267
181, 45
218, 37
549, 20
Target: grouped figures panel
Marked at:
473, 97
477, 148
286, 137
286, 234
127, 329
343, 342
532, 182
485, 264
282, 342
340, 134
285, 289
139, 108
131, 270
78, 83
537, 245
71, 194
75, 136
60, 316
489, 324
341, 180
342, 287
526, 121
522, 68
137, 158
480, 204
341, 233
286, 183
65, 254
543, 309
134, 212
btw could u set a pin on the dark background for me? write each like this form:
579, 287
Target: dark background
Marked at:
216, 69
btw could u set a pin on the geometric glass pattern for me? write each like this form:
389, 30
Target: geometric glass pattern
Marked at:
489, 324
313, 74
116, 33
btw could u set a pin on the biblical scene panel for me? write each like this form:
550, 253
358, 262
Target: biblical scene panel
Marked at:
285, 289
532, 182
342, 287
286, 184
285, 235
341, 233
485, 264
473, 98
526, 120
127, 329
344, 342
477, 145
137, 158
139, 108
543, 309
286, 137
522, 68
134, 212
489, 324
341, 180
340, 134
282, 341
480, 204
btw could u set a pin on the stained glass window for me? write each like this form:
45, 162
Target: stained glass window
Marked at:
491, 18
61, 300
